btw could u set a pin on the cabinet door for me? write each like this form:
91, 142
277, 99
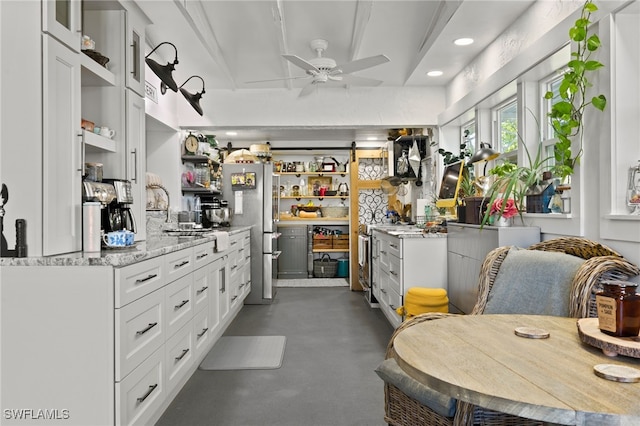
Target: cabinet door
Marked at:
135, 53
62, 19
135, 160
62, 150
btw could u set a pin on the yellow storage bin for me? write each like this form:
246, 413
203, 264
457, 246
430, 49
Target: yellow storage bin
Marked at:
419, 300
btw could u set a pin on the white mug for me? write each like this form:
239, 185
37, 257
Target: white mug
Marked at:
105, 131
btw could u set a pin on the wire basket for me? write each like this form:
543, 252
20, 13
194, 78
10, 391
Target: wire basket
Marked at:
427, 221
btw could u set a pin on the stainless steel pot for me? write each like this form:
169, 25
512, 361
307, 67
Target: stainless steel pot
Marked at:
216, 217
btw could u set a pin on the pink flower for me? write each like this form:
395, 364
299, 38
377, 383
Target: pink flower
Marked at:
510, 208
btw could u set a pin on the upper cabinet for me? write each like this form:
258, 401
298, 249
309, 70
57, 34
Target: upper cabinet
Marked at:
62, 19
134, 59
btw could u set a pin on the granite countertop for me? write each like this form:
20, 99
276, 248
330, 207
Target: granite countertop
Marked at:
142, 250
407, 231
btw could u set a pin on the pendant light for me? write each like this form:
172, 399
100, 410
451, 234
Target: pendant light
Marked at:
194, 100
164, 71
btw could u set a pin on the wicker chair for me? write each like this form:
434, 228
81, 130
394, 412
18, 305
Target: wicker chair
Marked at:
602, 263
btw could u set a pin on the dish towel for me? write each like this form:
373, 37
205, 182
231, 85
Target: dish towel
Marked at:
222, 240
361, 254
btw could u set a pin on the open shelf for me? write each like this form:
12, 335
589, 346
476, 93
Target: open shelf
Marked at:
331, 250
100, 143
94, 74
298, 174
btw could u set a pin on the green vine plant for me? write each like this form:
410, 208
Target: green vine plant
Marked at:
567, 114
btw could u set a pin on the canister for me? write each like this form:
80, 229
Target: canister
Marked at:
91, 228
618, 308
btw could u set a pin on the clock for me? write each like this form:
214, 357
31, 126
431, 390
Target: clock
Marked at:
191, 144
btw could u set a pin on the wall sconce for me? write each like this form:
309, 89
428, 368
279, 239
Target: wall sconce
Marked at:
164, 71
194, 100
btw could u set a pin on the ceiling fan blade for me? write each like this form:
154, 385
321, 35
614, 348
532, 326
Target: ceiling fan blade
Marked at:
360, 81
360, 64
279, 79
306, 90
298, 61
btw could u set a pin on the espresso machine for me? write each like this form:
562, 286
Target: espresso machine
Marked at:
117, 215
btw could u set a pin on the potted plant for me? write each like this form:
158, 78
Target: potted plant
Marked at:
567, 120
567, 115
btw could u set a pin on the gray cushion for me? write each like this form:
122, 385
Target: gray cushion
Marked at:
390, 372
533, 282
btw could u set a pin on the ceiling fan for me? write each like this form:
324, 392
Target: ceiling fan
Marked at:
323, 70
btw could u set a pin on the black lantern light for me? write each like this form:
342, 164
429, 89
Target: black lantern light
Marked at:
164, 71
194, 100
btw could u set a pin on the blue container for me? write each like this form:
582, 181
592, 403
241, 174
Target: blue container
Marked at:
343, 268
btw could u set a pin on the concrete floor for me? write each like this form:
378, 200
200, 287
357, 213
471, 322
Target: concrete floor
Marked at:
334, 343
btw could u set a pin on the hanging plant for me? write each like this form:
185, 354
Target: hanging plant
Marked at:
567, 115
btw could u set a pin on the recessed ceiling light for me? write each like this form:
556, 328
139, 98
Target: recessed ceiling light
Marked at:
372, 138
231, 133
434, 73
463, 41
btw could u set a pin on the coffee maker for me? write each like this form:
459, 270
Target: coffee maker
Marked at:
117, 215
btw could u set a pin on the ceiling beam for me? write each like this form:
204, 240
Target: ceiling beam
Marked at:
277, 9
196, 17
360, 22
439, 20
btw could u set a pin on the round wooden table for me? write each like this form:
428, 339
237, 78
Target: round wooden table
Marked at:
479, 359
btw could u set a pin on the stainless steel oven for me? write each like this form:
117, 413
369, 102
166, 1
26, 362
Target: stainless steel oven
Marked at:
365, 266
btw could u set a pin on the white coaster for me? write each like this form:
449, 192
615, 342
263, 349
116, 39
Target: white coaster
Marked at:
531, 332
617, 373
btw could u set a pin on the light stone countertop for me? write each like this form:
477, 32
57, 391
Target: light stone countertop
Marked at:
407, 231
152, 247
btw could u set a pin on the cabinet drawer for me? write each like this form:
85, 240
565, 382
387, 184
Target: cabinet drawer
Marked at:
203, 254
178, 356
178, 304
139, 331
201, 288
134, 281
178, 264
201, 332
142, 393
395, 274
395, 300
394, 247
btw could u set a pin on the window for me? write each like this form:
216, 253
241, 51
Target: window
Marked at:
468, 136
506, 130
552, 85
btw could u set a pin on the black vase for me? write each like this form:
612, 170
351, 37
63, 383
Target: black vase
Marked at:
461, 212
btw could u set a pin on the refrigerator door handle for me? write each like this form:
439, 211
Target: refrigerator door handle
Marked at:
276, 254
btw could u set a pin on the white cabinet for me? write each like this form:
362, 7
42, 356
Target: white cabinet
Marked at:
62, 19
135, 159
468, 245
134, 51
62, 150
399, 263
119, 342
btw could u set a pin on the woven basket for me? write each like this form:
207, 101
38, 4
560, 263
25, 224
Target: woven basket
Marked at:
334, 211
325, 267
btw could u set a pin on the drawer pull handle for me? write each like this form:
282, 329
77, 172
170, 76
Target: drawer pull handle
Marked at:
203, 255
149, 327
146, 395
179, 265
184, 302
383, 252
234, 298
201, 290
234, 267
394, 273
394, 246
233, 243
392, 307
247, 257
383, 290
147, 278
182, 355
204, 330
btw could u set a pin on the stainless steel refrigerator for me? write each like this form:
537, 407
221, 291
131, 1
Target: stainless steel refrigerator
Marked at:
253, 192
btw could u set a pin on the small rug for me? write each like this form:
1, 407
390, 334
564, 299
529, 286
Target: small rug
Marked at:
245, 353
313, 282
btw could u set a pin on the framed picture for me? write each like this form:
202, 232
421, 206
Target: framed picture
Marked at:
317, 182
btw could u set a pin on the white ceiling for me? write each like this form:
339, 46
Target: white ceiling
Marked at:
229, 43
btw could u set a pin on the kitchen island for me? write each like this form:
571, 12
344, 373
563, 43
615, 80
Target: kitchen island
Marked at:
111, 337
